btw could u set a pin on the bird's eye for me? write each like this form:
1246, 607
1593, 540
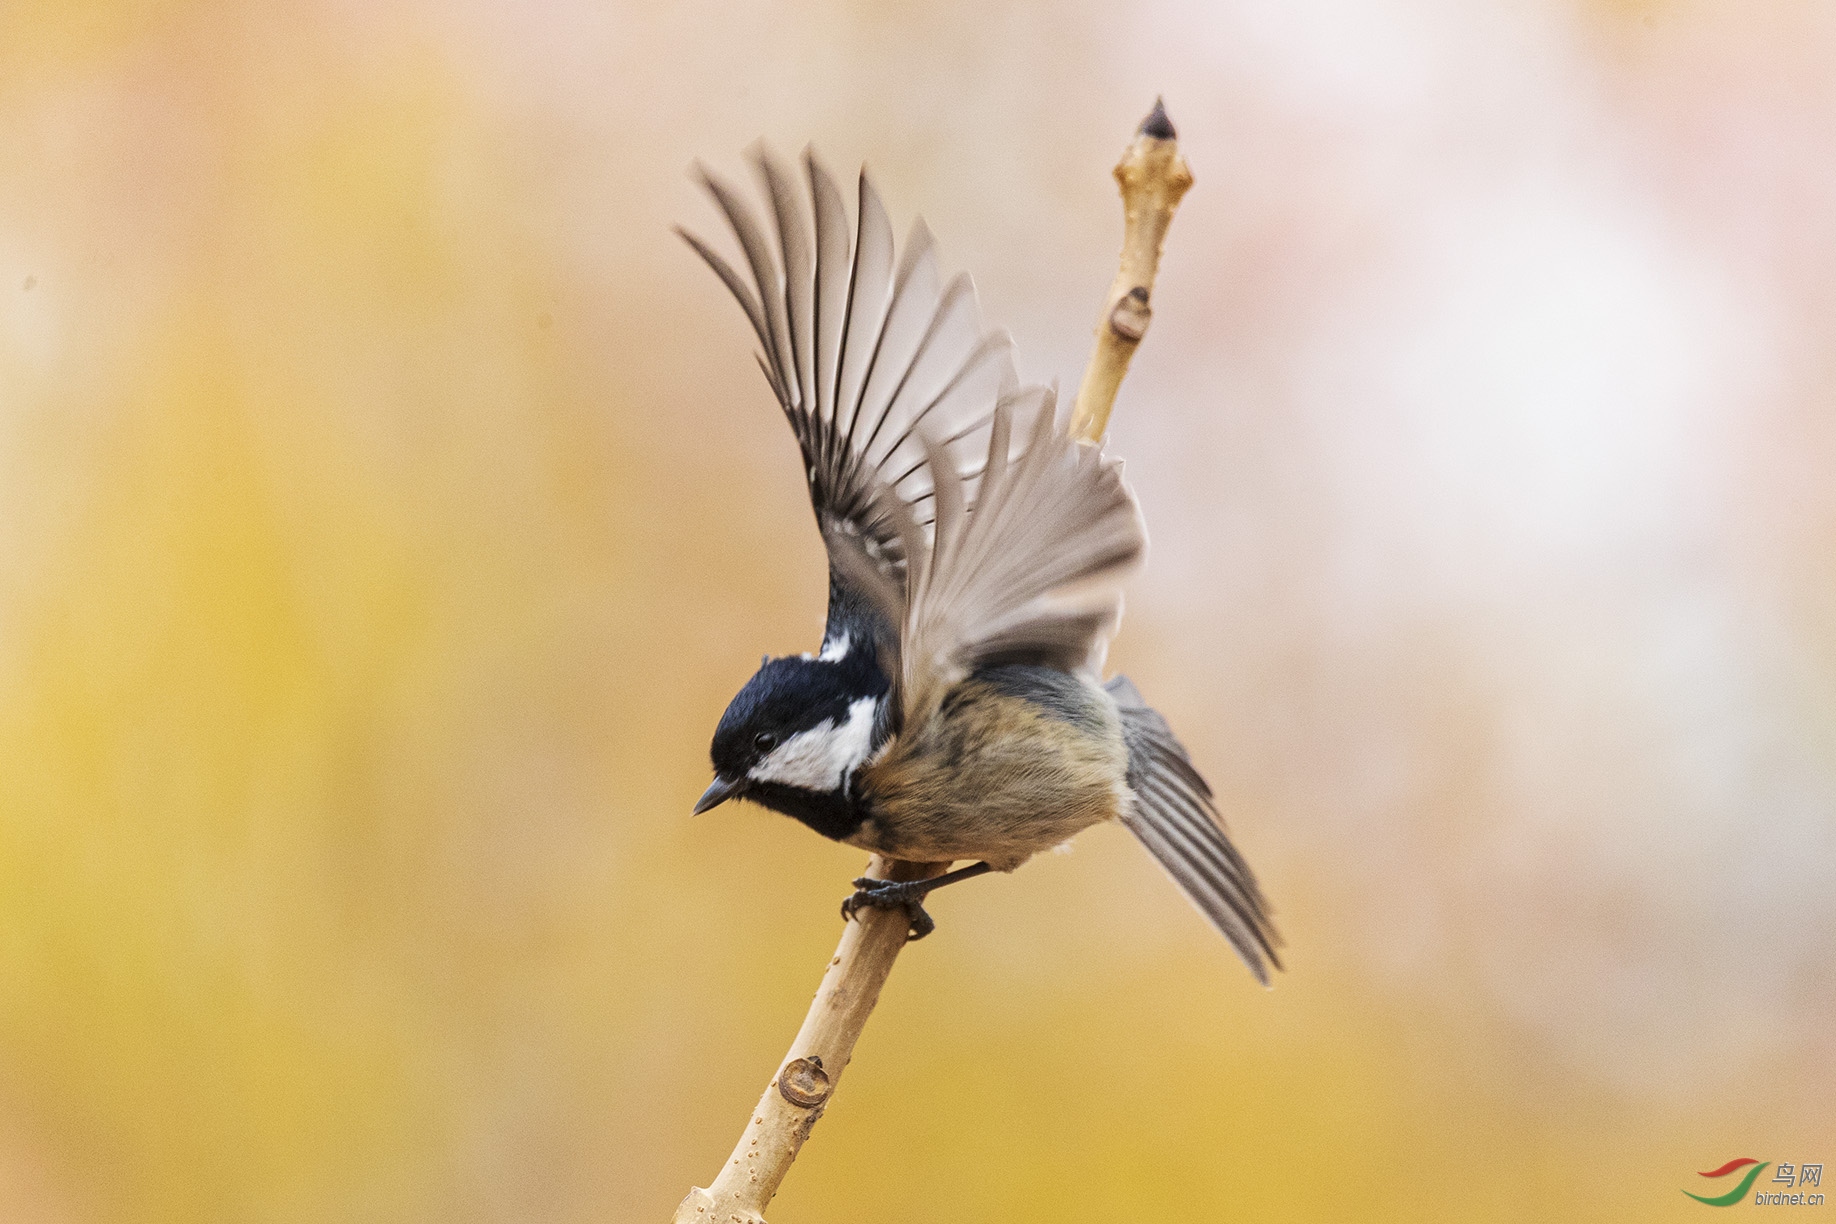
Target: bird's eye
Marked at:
764, 741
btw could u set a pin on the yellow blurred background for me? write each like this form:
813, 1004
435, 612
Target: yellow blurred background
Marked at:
389, 504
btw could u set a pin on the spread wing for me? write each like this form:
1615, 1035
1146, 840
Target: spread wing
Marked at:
1031, 574
862, 356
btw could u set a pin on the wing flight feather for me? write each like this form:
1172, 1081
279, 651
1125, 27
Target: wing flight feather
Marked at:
1031, 571
886, 373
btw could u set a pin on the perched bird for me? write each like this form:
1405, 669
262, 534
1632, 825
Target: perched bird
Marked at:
955, 709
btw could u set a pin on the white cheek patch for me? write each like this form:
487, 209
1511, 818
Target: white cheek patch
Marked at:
818, 759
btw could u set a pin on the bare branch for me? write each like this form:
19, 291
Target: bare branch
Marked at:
1153, 177
805, 1081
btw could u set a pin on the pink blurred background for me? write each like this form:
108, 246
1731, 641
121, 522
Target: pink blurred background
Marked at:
389, 504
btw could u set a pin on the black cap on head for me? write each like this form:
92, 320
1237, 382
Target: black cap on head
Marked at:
784, 696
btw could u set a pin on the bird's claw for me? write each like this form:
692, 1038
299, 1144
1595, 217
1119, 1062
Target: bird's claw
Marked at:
892, 894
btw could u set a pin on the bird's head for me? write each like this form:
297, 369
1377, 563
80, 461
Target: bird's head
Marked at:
792, 737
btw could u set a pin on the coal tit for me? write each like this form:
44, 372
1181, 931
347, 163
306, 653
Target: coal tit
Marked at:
955, 709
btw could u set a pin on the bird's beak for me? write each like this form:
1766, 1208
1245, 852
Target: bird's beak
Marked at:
717, 794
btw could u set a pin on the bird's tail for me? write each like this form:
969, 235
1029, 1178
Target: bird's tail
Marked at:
1175, 819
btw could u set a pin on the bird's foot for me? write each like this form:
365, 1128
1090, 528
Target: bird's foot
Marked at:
890, 894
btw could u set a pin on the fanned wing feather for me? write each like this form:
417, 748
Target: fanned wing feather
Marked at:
872, 273
1033, 572
772, 330
832, 291
1174, 817
867, 363
799, 272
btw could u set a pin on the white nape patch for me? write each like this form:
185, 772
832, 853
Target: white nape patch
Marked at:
836, 651
820, 758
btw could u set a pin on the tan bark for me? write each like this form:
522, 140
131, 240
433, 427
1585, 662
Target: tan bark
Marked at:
1153, 177
805, 1081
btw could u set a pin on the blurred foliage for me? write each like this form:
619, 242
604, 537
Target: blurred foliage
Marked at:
387, 509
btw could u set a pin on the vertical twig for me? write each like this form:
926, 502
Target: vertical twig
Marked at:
1153, 177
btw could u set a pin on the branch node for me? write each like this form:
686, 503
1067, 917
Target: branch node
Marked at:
1131, 316
804, 1083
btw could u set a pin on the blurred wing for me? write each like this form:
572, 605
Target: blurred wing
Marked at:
1033, 573
1173, 816
862, 357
